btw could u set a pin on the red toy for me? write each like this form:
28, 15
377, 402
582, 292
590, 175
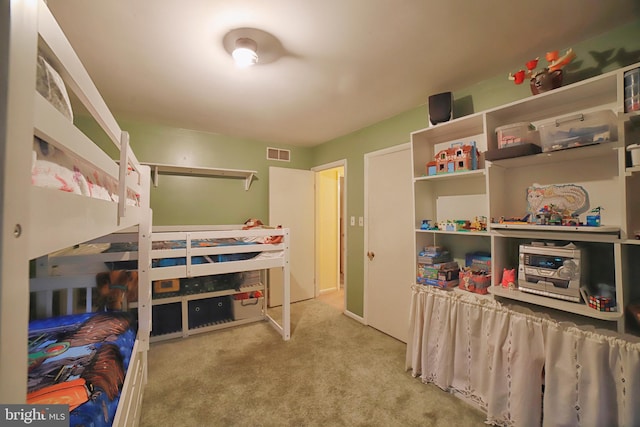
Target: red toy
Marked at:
509, 278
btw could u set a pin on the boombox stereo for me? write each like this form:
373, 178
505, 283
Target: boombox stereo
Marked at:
553, 271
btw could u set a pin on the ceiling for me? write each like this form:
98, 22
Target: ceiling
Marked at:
327, 67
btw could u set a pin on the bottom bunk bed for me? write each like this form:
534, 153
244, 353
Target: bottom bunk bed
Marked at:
87, 346
84, 360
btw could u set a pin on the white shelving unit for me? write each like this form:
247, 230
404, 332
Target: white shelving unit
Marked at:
498, 189
184, 327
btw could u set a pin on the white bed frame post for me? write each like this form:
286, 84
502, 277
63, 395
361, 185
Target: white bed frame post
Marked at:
18, 47
286, 297
122, 181
144, 267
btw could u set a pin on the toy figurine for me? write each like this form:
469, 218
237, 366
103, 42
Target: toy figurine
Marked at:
594, 220
479, 223
459, 157
547, 78
509, 278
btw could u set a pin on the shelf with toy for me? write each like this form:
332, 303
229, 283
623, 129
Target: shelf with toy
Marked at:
599, 91
429, 144
456, 232
556, 270
477, 225
562, 200
571, 307
558, 228
478, 173
576, 154
552, 232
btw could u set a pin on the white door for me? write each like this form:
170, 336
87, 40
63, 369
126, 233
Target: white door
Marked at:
291, 204
390, 259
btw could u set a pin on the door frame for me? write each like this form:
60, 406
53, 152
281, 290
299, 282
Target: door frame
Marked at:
338, 163
367, 156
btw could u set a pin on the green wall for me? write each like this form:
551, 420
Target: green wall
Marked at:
191, 200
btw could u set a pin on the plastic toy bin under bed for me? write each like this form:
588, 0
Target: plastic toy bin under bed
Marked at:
247, 308
578, 130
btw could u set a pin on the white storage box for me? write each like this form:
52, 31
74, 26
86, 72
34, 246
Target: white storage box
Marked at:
579, 130
247, 308
634, 149
517, 134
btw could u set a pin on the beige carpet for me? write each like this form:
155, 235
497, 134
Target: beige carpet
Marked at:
333, 372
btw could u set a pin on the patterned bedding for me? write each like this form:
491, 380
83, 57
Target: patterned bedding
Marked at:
51, 168
81, 360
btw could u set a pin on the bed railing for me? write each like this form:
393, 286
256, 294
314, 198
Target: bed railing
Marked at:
78, 80
191, 251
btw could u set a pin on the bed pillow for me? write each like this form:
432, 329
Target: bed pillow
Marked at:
50, 85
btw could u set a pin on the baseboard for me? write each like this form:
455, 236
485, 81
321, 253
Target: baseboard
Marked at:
354, 316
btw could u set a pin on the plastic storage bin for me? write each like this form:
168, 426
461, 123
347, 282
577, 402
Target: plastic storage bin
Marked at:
632, 90
247, 308
578, 130
166, 318
209, 311
517, 134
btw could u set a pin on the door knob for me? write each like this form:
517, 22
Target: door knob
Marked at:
371, 255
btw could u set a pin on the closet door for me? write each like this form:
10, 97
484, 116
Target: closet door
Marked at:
390, 259
291, 204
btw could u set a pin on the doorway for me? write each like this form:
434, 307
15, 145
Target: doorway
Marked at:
330, 233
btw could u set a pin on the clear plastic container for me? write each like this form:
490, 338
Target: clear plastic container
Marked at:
632, 90
517, 134
578, 130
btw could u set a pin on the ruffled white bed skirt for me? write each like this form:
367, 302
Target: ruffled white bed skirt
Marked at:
523, 368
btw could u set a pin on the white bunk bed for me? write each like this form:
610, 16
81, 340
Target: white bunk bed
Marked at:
38, 221
180, 252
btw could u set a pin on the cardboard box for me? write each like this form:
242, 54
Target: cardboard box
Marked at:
166, 286
441, 271
478, 261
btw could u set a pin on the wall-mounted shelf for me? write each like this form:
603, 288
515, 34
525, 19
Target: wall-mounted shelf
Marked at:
452, 175
162, 169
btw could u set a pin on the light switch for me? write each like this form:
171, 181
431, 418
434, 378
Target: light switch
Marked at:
360, 221
353, 221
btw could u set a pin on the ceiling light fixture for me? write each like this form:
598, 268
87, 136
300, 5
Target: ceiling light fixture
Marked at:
245, 52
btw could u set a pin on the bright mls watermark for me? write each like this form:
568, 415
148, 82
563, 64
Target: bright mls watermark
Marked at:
34, 415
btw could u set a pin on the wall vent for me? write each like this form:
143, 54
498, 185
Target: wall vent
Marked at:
278, 154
